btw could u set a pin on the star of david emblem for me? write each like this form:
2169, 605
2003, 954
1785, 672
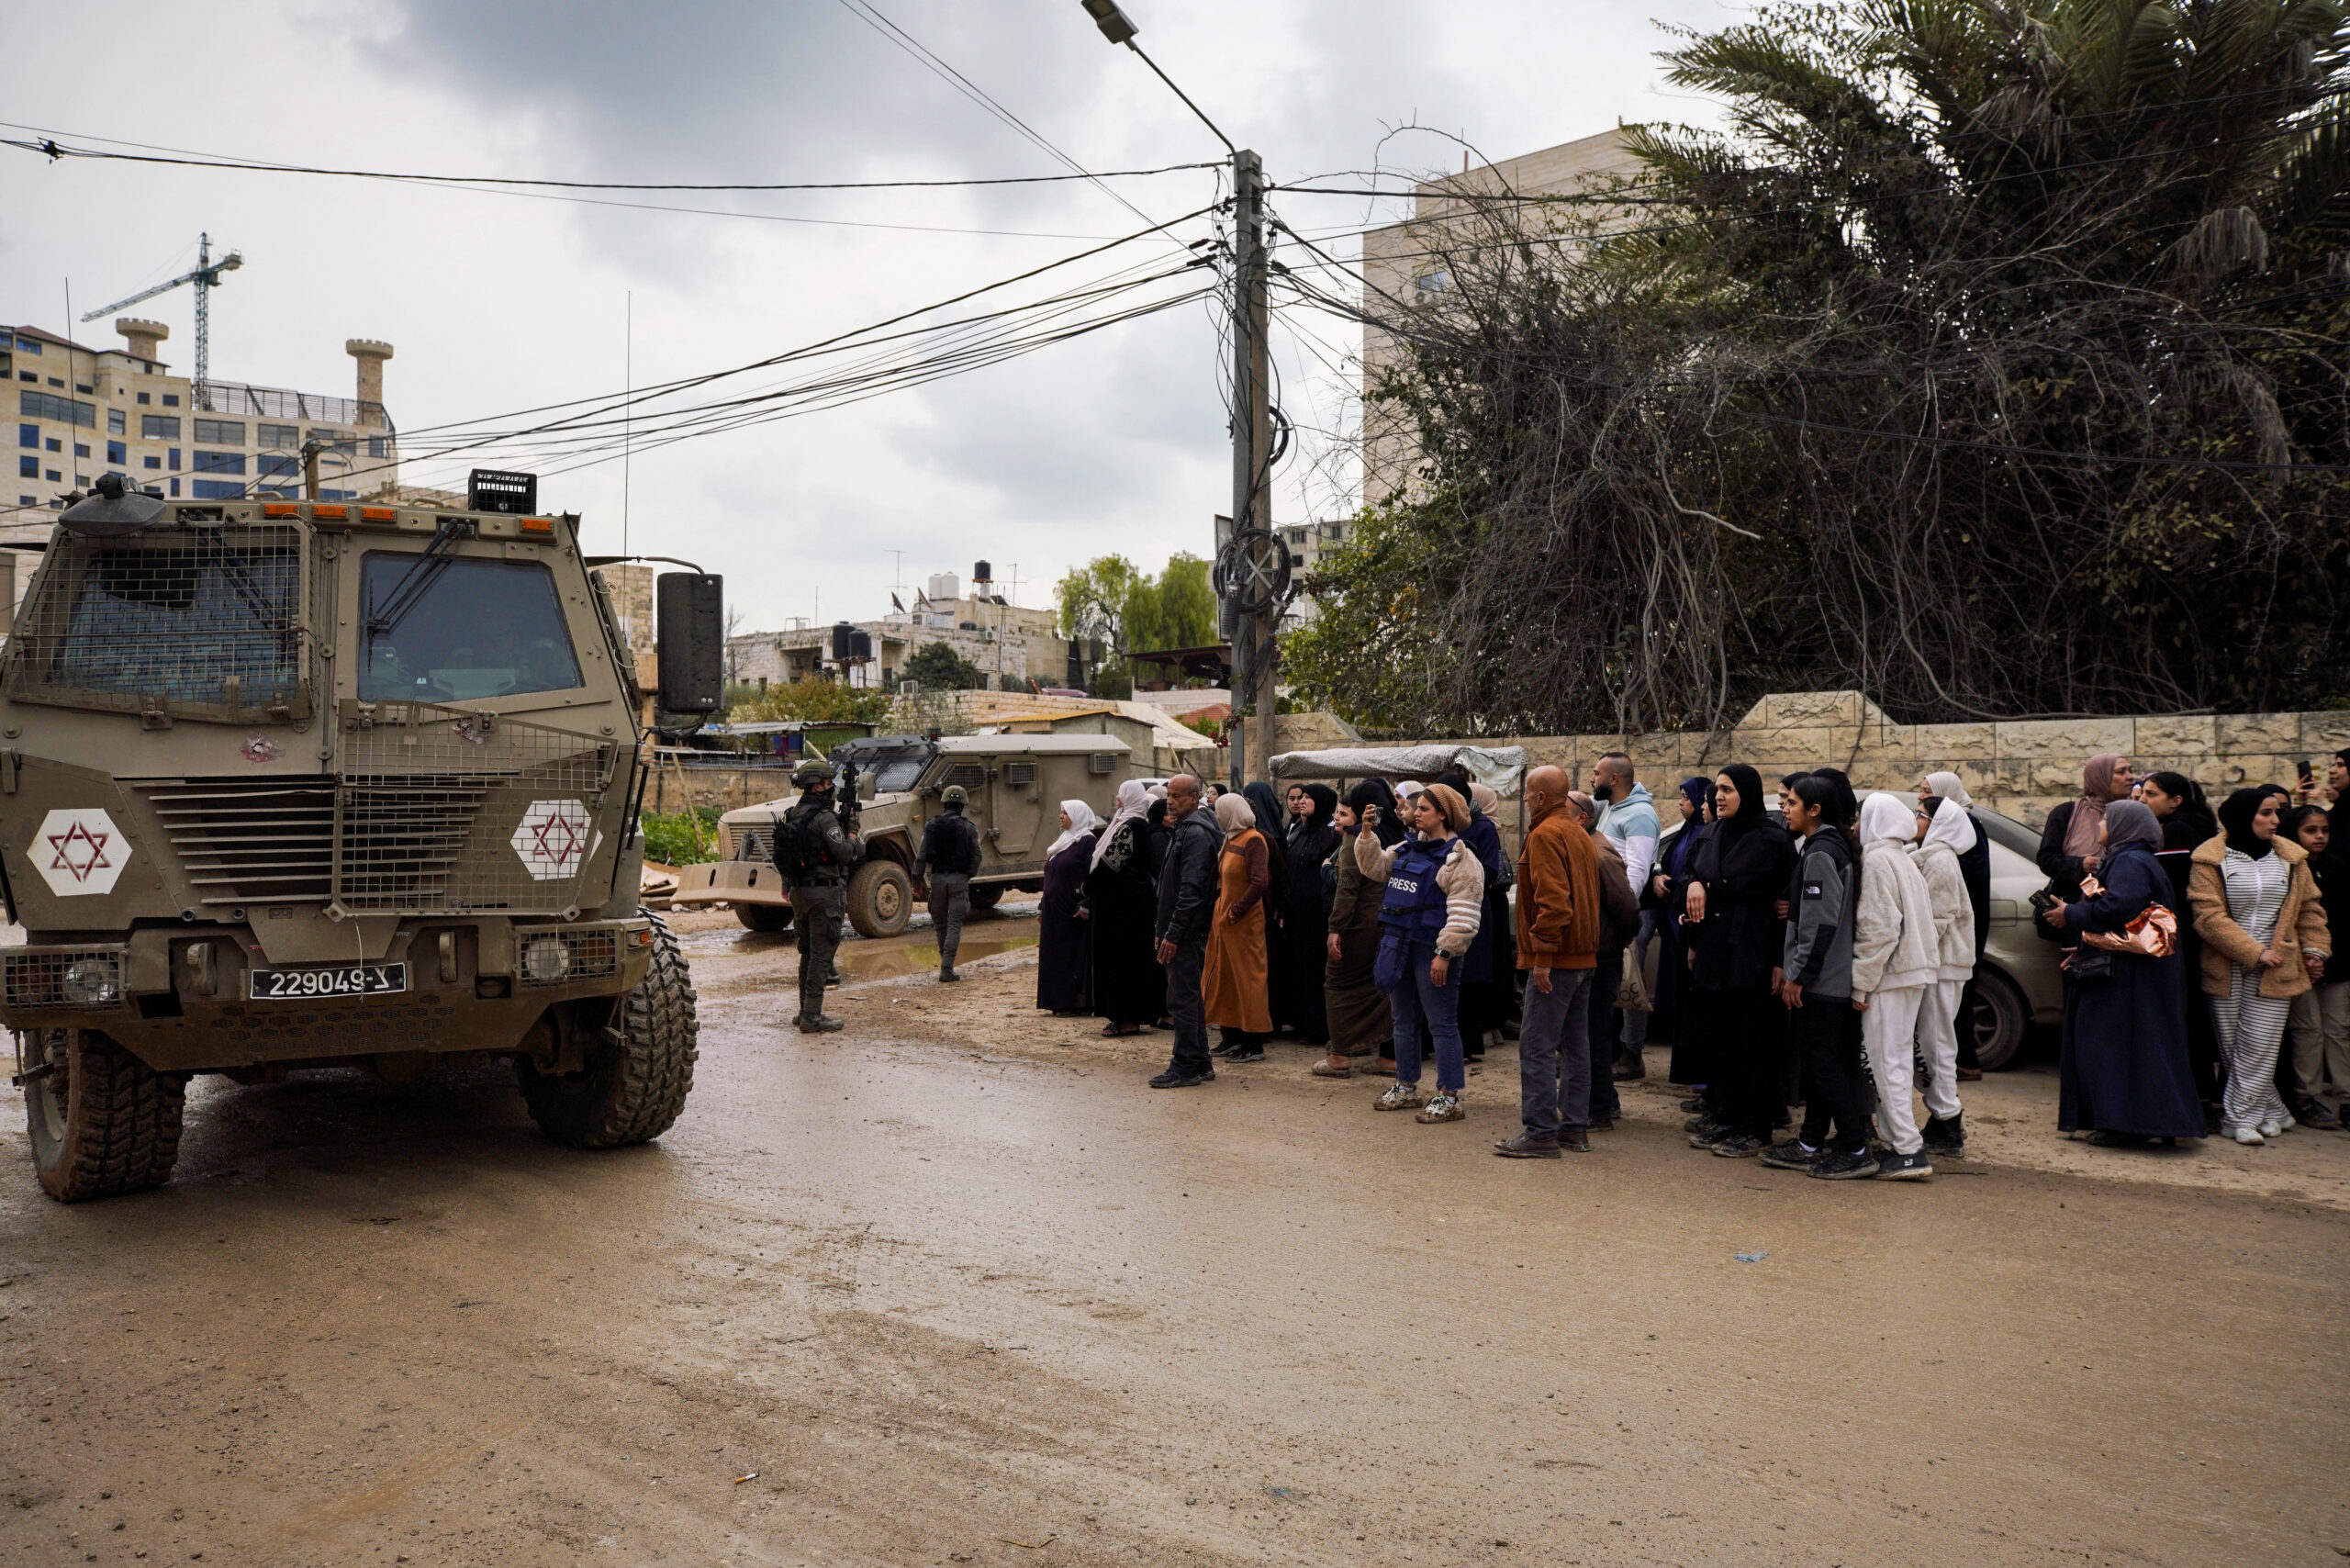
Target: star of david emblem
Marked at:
79, 852
552, 838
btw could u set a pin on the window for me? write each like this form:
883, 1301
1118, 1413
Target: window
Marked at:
26, 375
57, 381
377, 446
55, 478
28, 435
175, 485
143, 396
152, 462
217, 489
158, 427
216, 462
28, 345
171, 460
29, 501
171, 400
116, 453
335, 438
287, 436
28, 467
228, 432
325, 494
115, 421
84, 391
65, 411
1430, 284
81, 449
53, 444
478, 629
277, 467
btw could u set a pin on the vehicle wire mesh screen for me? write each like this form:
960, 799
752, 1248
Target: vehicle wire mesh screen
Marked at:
34, 979
198, 620
447, 809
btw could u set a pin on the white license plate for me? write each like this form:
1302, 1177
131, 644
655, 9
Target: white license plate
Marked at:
342, 980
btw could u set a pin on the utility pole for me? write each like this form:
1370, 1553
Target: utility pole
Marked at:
1254, 656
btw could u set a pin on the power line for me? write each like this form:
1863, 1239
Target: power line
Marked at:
53, 149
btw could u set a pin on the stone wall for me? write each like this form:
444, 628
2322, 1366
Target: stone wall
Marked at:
2018, 766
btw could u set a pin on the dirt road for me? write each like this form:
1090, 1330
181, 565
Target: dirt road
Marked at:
953, 1288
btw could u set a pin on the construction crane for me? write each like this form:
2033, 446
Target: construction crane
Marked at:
206, 276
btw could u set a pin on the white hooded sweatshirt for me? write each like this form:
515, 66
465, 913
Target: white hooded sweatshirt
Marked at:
1894, 946
1948, 836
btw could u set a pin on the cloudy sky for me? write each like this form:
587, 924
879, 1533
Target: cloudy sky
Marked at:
502, 303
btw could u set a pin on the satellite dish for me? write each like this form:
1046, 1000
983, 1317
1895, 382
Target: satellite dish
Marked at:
111, 510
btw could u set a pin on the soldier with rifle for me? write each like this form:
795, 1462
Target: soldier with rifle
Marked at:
816, 852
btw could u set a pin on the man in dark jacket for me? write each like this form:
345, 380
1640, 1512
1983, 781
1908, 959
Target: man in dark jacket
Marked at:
1187, 890
1620, 926
950, 853
1816, 986
819, 888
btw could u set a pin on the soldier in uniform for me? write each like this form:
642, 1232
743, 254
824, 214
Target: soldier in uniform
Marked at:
950, 853
819, 897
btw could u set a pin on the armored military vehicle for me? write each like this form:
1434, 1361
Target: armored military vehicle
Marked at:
292, 784
1017, 784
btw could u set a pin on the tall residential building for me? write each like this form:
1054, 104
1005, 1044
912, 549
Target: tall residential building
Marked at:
83, 412
1406, 266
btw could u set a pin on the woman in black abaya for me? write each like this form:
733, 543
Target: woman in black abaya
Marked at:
1305, 918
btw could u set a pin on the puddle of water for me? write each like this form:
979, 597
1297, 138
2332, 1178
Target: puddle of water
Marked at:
896, 956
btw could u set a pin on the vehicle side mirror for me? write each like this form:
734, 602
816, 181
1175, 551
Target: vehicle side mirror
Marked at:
690, 620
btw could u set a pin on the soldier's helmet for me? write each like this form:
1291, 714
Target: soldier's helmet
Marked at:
955, 795
811, 773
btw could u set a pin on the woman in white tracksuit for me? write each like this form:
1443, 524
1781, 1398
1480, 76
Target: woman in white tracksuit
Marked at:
1895, 961
1947, 834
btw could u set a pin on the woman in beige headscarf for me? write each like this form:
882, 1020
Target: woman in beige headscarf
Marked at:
2068, 845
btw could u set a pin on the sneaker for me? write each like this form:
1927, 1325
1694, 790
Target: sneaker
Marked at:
2316, 1115
1698, 1122
2248, 1136
1442, 1106
1740, 1146
1245, 1053
1904, 1167
819, 1024
2271, 1127
1710, 1135
1836, 1165
947, 977
1946, 1136
1792, 1155
1695, 1102
1401, 1097
1182, 1078
1525, 1146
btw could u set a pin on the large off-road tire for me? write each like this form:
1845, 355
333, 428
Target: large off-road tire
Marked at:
103, 1122
631, 1089
766, 917
880, 899
986, 895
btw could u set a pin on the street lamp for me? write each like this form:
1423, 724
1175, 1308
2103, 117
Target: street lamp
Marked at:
1119, 27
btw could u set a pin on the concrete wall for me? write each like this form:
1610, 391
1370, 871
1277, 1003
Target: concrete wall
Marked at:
2018, 766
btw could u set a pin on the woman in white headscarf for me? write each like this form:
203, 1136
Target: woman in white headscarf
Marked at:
1895, 962
1065, 936
1121, 903
1974, 864
1946, 834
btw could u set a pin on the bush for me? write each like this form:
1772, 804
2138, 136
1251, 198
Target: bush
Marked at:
678, 839
817, 701
940, 668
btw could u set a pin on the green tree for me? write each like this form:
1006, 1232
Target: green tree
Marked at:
1989, 362
940, 668
813, 699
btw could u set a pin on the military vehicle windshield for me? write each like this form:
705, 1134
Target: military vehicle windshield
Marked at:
891, 762
191, 619
472, 629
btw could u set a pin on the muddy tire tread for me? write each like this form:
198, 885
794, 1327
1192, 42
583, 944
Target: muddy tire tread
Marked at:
123, 1120
638, 1089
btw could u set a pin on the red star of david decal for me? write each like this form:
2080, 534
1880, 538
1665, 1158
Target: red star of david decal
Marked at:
543, 837
79, 851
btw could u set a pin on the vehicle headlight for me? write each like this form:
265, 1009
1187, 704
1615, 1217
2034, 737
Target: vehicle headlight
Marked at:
92, 982
545, 961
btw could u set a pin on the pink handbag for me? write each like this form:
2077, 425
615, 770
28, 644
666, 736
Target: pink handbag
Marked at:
2152, 934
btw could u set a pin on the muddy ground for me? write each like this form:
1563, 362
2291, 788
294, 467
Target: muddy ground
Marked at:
954, 1288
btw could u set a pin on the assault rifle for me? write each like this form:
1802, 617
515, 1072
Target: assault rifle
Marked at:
844, 802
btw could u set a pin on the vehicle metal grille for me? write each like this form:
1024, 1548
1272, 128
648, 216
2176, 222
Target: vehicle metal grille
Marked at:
443, 808
203, 621
251, 840
591, 955
34, 980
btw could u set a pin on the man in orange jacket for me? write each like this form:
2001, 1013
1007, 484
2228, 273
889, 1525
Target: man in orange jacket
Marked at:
1558, 945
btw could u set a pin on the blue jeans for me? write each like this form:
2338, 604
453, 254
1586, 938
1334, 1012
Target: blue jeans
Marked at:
1554, 1054
1420, 998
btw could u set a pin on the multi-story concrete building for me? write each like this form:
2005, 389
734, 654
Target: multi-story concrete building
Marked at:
83, 412
1011, 645
1408, 266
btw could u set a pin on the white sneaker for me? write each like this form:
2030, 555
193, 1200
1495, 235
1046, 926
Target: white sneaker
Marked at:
1402, 1097
2286, 1123
2271, 1127
2247, 1134
1442, 1106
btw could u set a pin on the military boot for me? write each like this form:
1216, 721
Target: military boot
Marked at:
819, 1024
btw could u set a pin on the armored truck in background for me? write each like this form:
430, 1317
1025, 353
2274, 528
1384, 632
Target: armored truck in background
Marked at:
1017, 784
292, 784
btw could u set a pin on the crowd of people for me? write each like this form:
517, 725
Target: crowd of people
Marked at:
1815, 951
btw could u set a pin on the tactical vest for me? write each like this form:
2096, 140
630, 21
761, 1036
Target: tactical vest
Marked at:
1414, 907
